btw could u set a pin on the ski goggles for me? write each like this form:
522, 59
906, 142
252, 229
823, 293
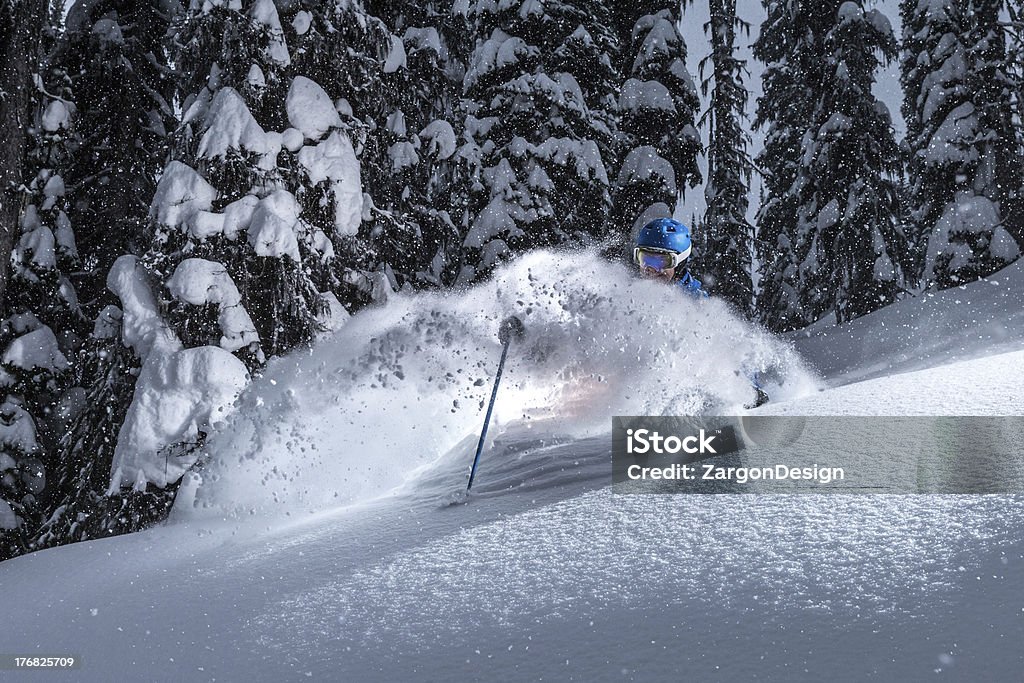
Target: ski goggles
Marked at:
658, 259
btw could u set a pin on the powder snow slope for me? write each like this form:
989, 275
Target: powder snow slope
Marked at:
545, 574
977, 319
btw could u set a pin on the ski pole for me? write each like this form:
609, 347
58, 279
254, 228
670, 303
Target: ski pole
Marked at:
510, 327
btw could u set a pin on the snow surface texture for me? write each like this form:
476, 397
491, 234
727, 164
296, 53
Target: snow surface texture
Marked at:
541, 575
320, 430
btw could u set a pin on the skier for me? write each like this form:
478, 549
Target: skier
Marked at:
662, 251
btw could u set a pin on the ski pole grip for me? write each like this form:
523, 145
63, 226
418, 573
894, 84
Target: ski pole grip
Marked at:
511, 328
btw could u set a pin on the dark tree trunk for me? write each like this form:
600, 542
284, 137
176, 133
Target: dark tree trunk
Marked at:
21, 29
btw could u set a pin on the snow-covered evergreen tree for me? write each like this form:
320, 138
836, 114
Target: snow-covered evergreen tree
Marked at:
853, 251
83, 506
1015, 57
108, 46
538, 128
355, 57
116, 46
787, 47
828, 237
22, 29
965, 148
242, 226
41, 321
410, 168
264, 177
728, 235
658, 104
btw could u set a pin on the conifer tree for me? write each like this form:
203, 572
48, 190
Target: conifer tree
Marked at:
410, 165
22, 30
728, 250
847, 202
828, 228
539, 83
965, 154
108, 47
116, 54
241, 232
83, 505
786, 45
352, 54
658, 105
244, 215
41, 323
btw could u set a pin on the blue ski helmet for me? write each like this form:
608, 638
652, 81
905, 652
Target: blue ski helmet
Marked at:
666, 234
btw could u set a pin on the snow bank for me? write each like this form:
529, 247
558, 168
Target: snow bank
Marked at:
965, 322
335, 316
994, 389
398, 386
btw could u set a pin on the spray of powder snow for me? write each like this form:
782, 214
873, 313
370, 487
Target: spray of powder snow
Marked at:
400, 385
